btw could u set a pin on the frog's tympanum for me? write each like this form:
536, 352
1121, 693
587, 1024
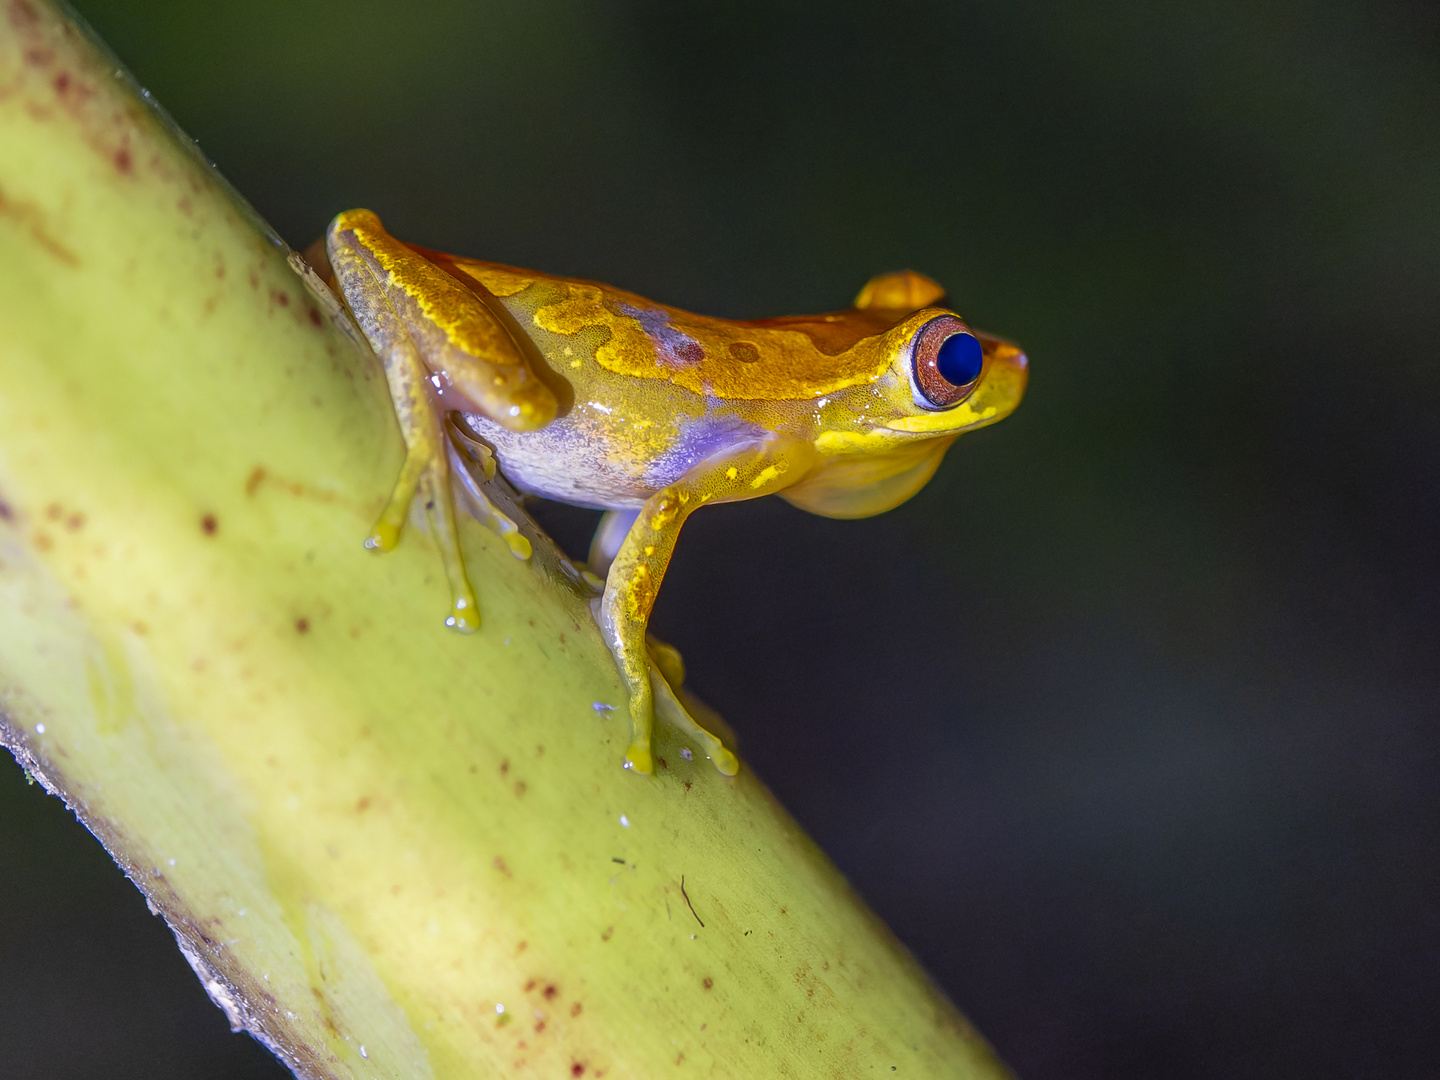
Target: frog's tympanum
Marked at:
597, 397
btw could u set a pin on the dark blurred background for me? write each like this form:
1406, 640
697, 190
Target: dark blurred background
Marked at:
1128, 723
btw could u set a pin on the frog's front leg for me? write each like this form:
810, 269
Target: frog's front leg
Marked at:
639, 566
444, 346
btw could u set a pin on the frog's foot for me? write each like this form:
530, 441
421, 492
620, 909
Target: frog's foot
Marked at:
669, 707
667, 677
426, 471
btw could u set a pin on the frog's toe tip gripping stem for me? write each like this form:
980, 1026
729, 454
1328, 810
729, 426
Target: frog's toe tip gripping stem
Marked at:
640, 759
464, 617
383, 537
726, 763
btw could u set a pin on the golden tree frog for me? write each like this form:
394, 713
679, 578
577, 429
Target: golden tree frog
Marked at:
595, 396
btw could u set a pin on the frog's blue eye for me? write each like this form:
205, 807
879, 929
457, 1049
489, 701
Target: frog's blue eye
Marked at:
960, 359
948, 362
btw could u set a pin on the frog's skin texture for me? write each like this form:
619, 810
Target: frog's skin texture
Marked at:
598, 397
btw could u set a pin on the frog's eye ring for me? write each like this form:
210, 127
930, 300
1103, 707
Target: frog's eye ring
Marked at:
947, 362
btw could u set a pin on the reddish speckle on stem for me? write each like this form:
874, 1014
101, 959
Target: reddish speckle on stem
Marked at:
302, 625
280, 298
208, 525
550, 991
708, 983
577, 1069
314, 317
576, 1009
123, 161
6, 514
62, 82
21, 13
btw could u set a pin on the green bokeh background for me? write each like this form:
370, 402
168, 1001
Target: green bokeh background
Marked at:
1129, 723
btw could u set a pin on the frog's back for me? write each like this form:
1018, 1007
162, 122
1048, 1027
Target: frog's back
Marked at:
649, 390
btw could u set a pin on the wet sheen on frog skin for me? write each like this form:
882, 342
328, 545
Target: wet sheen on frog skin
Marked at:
595, 396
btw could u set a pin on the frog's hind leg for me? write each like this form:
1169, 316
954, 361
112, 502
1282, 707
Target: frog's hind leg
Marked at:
426, 472
427, 464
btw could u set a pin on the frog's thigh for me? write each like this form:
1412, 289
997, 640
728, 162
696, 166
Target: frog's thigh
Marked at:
640, 564
426, 459
461, 330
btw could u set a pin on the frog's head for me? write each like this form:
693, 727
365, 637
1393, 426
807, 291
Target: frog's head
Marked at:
945, 378
932, 374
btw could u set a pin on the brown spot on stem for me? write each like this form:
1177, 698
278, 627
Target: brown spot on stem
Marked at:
209, 525
32, 219
576, 1009
550, 991
302, 625
707, 982
22, 15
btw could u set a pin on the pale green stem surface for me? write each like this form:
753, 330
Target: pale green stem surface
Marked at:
370, 835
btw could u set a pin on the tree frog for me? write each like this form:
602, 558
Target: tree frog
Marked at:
598, 397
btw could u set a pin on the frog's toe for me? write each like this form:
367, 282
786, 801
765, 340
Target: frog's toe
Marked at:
674, 712
464, 615
640, 759
383, 537
726, 763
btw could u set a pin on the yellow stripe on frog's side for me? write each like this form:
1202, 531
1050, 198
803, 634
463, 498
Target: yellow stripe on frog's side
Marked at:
501, 281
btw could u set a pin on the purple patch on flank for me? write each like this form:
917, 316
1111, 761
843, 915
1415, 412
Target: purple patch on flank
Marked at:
673, 347
700, 439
